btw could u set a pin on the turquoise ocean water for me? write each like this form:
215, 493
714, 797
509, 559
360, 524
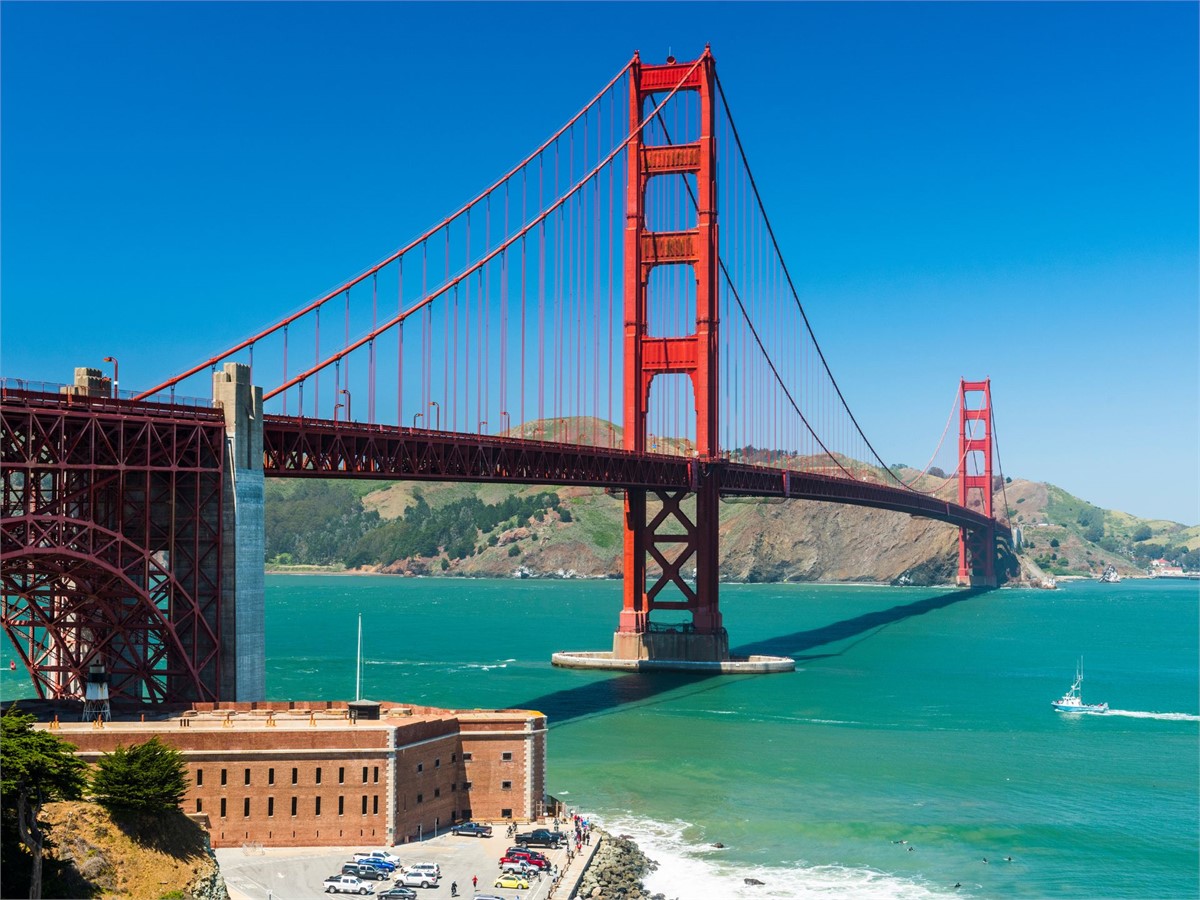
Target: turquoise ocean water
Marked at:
914, 714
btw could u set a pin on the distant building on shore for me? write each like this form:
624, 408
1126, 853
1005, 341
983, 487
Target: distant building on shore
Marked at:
332, 773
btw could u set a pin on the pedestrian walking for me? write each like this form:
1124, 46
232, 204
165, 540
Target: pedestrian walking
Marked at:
474, 882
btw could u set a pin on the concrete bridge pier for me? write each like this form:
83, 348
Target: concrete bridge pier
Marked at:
243, 634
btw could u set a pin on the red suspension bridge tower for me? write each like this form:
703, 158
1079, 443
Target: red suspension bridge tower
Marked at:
976, 546
671, 538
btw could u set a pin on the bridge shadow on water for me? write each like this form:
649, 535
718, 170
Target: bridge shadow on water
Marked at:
639, 689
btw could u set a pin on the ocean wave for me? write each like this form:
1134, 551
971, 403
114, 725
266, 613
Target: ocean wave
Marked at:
688, 870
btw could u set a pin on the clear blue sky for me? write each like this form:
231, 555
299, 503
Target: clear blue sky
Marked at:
1001, 190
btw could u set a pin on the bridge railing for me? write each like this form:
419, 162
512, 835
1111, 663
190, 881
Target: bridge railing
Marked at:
49, 393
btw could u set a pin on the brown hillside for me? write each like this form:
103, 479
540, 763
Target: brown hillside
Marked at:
128, 856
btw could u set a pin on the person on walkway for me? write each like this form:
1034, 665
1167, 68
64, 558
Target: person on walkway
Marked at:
474, 882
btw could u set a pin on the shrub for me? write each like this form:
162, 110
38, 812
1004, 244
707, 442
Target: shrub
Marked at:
514, 550
1053, 542
1142, 533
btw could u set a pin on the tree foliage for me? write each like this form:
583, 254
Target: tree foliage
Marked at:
150, 777
453, 529
1142, 532
314, 522
36, 767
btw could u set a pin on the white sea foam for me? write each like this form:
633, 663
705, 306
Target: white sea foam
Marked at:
1139, 714
690, 871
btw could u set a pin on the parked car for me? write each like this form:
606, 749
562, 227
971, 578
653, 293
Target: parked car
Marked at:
424, 878
511, 881
472, 829
541, 837
364, 871
398, 893
531, 856
347, 884
431, 868
520, 866
381, 865
377, 854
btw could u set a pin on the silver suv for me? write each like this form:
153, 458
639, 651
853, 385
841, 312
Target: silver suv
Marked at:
421, 875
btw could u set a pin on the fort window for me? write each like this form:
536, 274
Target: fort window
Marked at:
466, 785
437, 763
364, 812
317, 807
375, 776
341, 806
295, 775
506, 756
506, 813
199, 777
506, 785
223, 778
270, 807
466, 813
453, 787
420, 798
247, 776
375, 805
341, 774
293, 806
420, 767
222, 807
454, 757
271, 776
364, 774
318, 774
467, 757
246, 808
437, 792
199, 805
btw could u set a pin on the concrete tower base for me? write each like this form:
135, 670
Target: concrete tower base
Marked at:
673, 651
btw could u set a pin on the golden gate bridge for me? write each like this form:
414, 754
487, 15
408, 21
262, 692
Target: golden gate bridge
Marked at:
625, 272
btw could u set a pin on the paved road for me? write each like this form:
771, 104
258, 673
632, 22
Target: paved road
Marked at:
297, 873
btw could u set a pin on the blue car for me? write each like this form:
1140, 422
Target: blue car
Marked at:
381, 864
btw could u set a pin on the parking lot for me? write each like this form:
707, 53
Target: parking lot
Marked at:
297, 873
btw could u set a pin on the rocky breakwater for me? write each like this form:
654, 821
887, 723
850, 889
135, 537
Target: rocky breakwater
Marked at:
616, 870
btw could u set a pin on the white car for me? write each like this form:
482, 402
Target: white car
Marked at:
419, 878
377, 854
347, 884
431, 868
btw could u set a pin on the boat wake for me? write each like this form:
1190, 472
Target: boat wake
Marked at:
1167, 716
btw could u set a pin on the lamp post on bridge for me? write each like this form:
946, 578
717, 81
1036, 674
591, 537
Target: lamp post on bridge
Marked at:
438, 409
116, 380
507, 421
415, 417
347, 395
482, 422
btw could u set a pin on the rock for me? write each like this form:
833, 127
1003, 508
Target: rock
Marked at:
753, 881
719, 845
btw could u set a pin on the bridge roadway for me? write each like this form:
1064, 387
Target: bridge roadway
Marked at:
321, 448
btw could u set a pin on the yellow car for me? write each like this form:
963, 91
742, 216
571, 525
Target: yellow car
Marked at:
511, 881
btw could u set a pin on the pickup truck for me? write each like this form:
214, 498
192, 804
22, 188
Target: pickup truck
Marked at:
540, 837
347, 884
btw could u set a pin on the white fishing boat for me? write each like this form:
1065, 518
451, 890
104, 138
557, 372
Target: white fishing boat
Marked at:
1072, 700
